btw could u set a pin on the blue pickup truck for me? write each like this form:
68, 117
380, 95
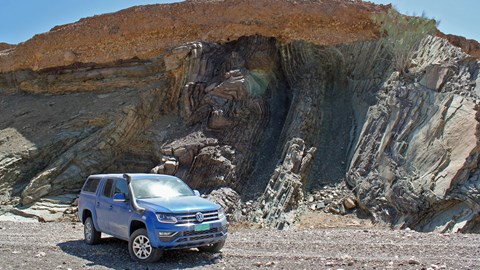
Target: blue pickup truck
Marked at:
153, 212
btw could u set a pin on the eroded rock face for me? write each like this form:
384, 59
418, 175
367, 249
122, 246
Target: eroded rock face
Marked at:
285, 188
255, 118
419, 147
469, 46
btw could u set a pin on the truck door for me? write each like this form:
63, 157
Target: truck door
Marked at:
104, 206
120, 218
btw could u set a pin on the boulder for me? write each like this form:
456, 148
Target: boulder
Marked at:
349, 203
227, 198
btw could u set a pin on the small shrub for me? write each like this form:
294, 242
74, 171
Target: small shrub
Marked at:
402, 35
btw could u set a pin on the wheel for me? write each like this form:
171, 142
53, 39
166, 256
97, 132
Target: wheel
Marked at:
91, 235
140, 247
213, 247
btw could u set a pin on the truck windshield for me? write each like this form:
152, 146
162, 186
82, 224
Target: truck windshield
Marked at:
160, 188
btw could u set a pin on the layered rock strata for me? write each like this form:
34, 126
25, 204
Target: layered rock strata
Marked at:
264, 117
419, 148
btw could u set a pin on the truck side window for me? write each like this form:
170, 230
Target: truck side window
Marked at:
121, 187
91, 185
107, 190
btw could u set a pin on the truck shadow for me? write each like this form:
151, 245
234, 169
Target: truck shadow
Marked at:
113, 253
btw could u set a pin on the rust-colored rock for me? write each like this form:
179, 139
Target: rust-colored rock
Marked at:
469, 46
5, 46
147, 31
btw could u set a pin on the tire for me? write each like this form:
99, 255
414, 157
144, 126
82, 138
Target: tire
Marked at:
91, 235
213, 247
140, 248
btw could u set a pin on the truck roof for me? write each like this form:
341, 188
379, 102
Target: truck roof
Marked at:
132, 175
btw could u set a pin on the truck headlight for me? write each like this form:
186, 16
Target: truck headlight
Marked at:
165, 218
221, 213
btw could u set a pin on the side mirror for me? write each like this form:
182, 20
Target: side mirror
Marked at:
197, 193
119, 197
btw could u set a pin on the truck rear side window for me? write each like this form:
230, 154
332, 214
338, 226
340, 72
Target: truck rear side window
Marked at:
91, 185
107, 190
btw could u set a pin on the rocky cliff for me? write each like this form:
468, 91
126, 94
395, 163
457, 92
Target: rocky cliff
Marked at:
265, 99
5, 46
469, 46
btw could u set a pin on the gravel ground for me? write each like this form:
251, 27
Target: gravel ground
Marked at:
60, 246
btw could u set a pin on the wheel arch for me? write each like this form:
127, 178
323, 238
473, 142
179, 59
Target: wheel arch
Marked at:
135, 225
86, 214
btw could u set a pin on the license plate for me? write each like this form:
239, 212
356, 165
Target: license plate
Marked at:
202, 227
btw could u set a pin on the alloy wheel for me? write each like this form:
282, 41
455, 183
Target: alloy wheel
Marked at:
141, 247
88, 231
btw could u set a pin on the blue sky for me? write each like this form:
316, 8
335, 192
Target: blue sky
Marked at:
21, 19
460, 17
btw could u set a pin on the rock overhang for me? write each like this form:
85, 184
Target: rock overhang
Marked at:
148, 31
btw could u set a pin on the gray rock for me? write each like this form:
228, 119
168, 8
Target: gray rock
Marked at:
284, 188
435, 77
413, 261
227, 198
398, 157
320, 205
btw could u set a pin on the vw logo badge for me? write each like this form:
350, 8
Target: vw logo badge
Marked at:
199, 216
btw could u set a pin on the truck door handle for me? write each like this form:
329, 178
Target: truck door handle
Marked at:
98, 203
110, 207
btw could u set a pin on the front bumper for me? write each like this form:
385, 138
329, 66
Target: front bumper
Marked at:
186, 236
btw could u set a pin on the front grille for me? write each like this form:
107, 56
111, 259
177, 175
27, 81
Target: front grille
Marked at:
190, 233
190, 217
201, 235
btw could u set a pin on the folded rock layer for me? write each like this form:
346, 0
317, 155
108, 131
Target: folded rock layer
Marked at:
268, 100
